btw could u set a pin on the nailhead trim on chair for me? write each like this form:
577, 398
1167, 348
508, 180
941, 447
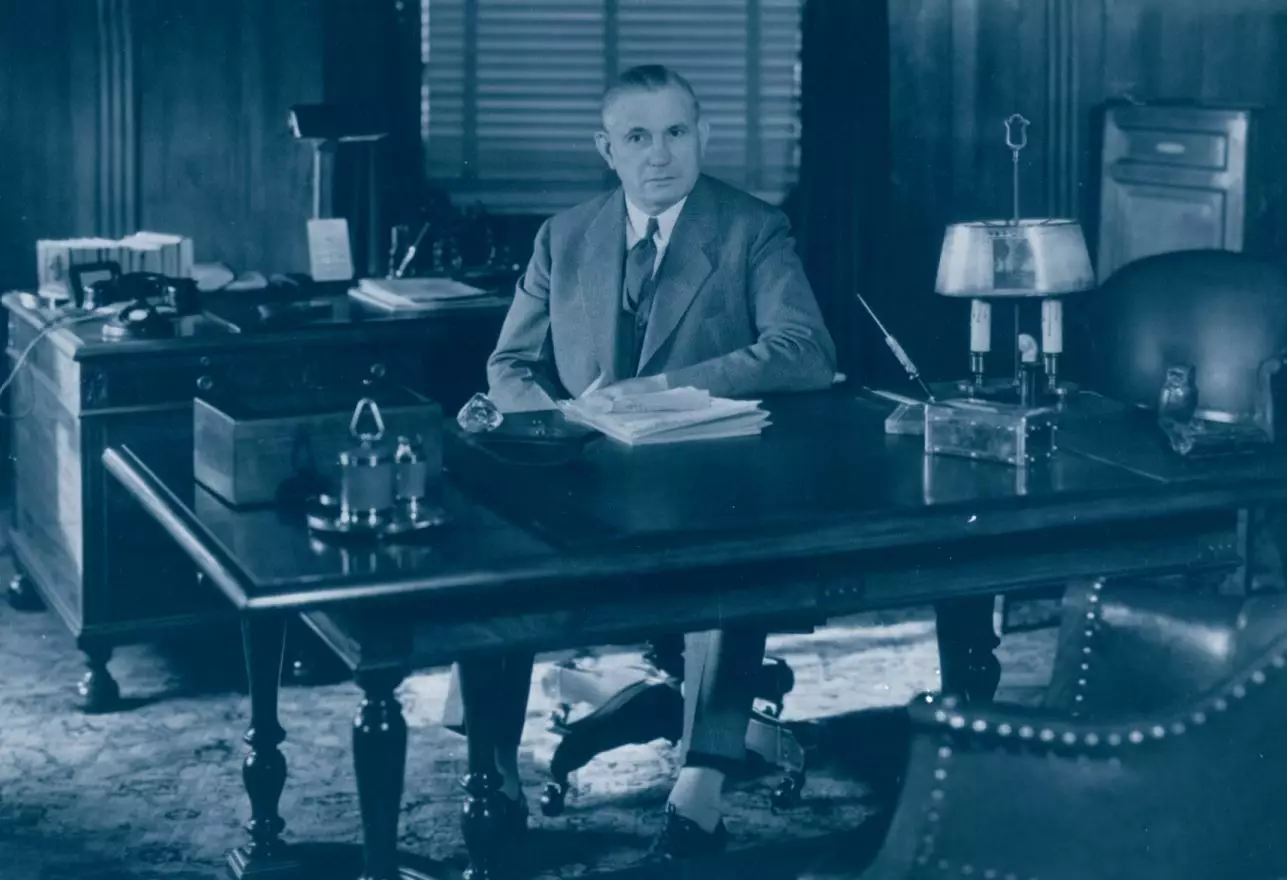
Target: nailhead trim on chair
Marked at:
932, 815
961, 728
1093, 620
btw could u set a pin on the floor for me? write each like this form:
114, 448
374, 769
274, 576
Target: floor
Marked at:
153, 792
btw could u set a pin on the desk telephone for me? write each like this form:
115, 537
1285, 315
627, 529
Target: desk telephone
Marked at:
151, 300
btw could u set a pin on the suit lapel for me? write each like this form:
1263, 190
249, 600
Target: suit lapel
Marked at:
690, 258
599, 279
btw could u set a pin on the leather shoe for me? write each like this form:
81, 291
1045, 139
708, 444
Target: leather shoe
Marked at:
682, 838
514, 815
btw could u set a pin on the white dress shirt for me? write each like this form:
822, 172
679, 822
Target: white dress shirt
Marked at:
638, 223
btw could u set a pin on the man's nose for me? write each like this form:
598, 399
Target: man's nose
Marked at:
659, 153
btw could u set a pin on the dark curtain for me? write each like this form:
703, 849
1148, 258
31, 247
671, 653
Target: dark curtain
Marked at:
840, 207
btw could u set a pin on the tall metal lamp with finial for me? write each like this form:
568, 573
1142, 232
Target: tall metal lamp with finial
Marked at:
1017, 259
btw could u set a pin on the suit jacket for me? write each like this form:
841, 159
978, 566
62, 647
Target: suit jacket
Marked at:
733, 313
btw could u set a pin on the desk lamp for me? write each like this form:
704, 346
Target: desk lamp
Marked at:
1014, 259
325, 127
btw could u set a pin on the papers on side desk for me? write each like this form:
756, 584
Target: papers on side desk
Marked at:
671, 416
409, 294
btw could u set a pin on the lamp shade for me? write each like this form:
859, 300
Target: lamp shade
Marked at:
997, 259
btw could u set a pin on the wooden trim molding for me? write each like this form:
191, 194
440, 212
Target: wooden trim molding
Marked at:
754, 96
1064, 111
116, 167
965, 15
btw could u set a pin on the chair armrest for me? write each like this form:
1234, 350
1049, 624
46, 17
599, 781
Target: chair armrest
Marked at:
999, 791
1135, 647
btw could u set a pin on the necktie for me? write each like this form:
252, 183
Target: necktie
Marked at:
639, 267
638, 288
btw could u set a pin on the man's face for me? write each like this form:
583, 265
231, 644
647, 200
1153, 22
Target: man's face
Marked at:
654, 140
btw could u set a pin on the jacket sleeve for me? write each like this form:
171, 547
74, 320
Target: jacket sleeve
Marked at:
794, 351
521, 374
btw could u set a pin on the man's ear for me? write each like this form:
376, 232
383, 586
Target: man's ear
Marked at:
604, 146
703, 134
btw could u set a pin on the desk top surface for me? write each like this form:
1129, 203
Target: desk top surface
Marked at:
823, 482
251, 319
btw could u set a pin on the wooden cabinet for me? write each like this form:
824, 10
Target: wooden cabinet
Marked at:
1185, 177
80, 543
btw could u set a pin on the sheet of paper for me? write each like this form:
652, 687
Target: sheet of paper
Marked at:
673, 399
330, 256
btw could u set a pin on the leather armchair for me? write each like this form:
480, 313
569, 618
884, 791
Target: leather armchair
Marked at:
1158, 753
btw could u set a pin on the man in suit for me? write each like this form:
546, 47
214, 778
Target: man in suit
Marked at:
673, 279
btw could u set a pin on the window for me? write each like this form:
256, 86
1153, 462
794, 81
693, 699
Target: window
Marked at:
510, 91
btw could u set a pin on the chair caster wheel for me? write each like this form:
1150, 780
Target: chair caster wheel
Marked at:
553, 799
787, 794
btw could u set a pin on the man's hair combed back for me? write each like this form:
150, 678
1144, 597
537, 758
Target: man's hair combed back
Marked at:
647, 78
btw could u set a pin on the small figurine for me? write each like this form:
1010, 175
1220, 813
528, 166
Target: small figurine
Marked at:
1178, 400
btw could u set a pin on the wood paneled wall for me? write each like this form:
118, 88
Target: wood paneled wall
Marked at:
1218, 52
47, 108
959, 69
126, 114
214, 80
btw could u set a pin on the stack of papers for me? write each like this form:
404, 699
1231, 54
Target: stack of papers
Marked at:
409, 294
671, 416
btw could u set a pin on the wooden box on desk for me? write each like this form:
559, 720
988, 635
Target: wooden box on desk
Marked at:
244, 449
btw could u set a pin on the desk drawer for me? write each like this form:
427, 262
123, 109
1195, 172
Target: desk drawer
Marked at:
1188, 149
173, 380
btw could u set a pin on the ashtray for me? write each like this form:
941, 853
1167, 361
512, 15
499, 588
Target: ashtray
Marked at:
327, 517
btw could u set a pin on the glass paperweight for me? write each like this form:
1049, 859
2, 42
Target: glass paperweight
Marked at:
479, 415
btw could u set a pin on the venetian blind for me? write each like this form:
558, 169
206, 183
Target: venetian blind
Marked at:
511, 88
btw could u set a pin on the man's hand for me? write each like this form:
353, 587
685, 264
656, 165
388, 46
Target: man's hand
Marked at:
631, 387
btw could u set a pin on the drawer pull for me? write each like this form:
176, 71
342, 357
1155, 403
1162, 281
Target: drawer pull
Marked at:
205, 383
378, 370
1170, 148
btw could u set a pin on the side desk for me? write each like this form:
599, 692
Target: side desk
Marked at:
79, 545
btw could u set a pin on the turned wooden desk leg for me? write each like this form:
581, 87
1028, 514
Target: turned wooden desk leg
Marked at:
98, 691
482, 820
263, 641
380, 762
967, 642
23, 595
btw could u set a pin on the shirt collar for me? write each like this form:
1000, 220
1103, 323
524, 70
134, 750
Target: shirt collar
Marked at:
665, 220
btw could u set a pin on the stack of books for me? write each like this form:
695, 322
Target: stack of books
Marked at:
672, 416
159, 252
412, 294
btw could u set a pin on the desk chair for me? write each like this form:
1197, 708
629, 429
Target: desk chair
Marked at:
1153, 757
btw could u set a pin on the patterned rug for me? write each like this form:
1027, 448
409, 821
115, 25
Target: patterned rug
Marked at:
153, 792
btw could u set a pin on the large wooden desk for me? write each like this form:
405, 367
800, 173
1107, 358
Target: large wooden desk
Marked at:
822, 515
107, 571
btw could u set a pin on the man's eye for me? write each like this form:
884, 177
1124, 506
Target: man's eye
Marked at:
634, 138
